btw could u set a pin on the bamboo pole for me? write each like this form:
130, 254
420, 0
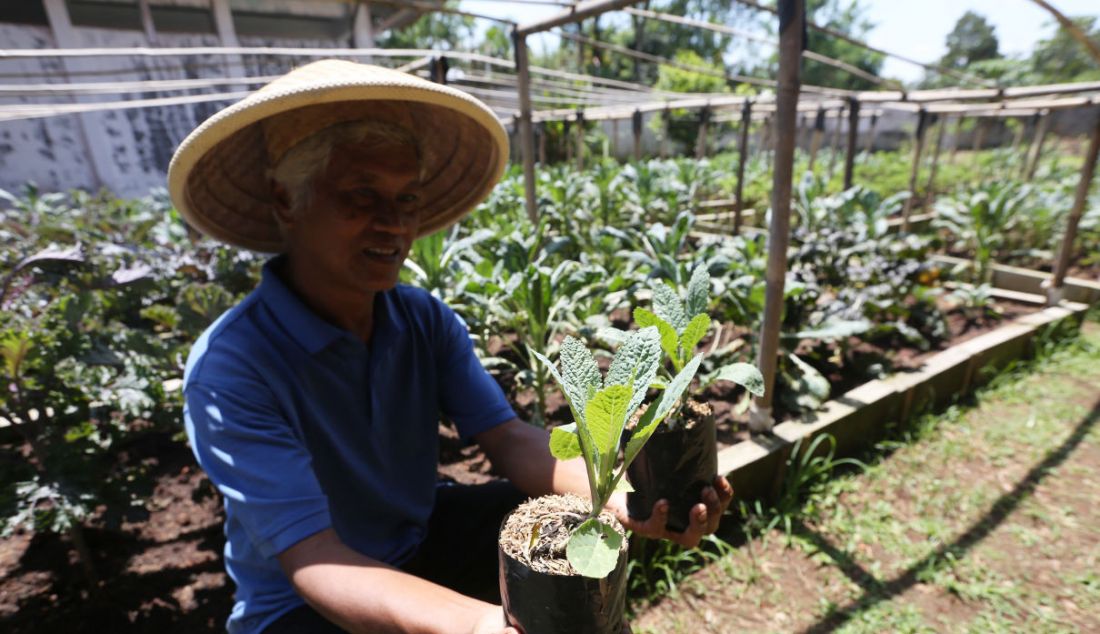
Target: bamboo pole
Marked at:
542, 143
817, 135
701, 137
835, 145
574, 13
853, 140
766, 141
666, 138
742, 159
918, 147
1037, 145
615, 138
1033, 127
871, 134
979, 142
1018, 137
636, 128
567, 139
1084, 184
580, 140
526, 132
791, 23
955, 142
930, 189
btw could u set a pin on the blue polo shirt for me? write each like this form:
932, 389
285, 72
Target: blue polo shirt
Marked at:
302, 427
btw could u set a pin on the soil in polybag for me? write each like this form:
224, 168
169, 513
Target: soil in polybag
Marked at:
540, 590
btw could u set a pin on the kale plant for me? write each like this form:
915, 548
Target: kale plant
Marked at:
601, 408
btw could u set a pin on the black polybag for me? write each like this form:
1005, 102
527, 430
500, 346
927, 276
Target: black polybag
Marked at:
540, 603
675, 464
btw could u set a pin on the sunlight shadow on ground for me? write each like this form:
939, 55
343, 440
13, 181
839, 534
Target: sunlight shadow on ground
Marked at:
876, 591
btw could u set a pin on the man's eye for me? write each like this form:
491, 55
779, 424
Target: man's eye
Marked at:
407, 198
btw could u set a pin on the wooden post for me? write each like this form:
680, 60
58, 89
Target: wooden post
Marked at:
615, 138
818, 133
567, 139
958, 138
742, 158
580, 140
1037, 144
542, 143
835, 145
1018, 138
871, 133
766, 141
526, 133
701, 137
513, 139
791, 24
976, 148
918, 147
437, 70
636, 128
1084, 184
668, 130
930, 190
1025, 159
853, 140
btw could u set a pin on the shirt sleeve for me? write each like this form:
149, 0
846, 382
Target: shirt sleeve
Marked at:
468, 395
248, 450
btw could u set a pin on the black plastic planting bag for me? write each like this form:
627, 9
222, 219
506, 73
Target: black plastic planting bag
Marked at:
539, 603
676, 464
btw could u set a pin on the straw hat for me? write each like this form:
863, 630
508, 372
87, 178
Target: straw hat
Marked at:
217, 178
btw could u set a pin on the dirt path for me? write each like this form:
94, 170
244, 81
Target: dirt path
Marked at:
987, 520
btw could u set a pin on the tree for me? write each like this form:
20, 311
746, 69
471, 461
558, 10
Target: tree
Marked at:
848, 18
845, 16
972, 40
441, 31
1060, 58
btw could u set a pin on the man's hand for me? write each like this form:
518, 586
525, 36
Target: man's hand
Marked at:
704, 520
493, 622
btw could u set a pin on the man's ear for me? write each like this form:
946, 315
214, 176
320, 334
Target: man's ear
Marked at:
282, 203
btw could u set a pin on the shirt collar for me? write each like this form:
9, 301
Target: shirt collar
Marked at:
305, 326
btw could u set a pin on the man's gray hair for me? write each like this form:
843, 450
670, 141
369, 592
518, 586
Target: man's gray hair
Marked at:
301, 165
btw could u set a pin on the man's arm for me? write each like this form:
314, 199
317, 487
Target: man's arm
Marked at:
521, 453
361, 594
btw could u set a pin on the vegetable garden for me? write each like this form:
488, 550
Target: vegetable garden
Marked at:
897, 294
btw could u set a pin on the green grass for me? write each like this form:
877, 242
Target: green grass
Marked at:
979, 519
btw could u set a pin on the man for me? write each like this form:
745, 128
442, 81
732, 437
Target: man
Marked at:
314, 404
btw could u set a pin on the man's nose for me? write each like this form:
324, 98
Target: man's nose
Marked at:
391, 218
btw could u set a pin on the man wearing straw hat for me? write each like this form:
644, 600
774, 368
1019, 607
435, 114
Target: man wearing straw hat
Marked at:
314, 404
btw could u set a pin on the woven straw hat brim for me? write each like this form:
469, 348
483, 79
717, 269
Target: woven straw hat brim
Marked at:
218, 176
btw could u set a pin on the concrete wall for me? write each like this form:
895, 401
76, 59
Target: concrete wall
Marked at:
132, 147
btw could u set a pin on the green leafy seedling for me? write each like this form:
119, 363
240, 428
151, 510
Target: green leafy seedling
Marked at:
602, 407
682, 324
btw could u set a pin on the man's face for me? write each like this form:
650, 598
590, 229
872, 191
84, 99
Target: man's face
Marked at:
356, 231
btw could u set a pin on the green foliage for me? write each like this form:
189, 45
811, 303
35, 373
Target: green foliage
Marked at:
682, 126
808, 470
433, 30
848, 18
601, 408
972, 40
102, 298
979, 222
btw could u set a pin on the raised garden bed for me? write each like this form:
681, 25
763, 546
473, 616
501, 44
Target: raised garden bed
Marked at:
860, 416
